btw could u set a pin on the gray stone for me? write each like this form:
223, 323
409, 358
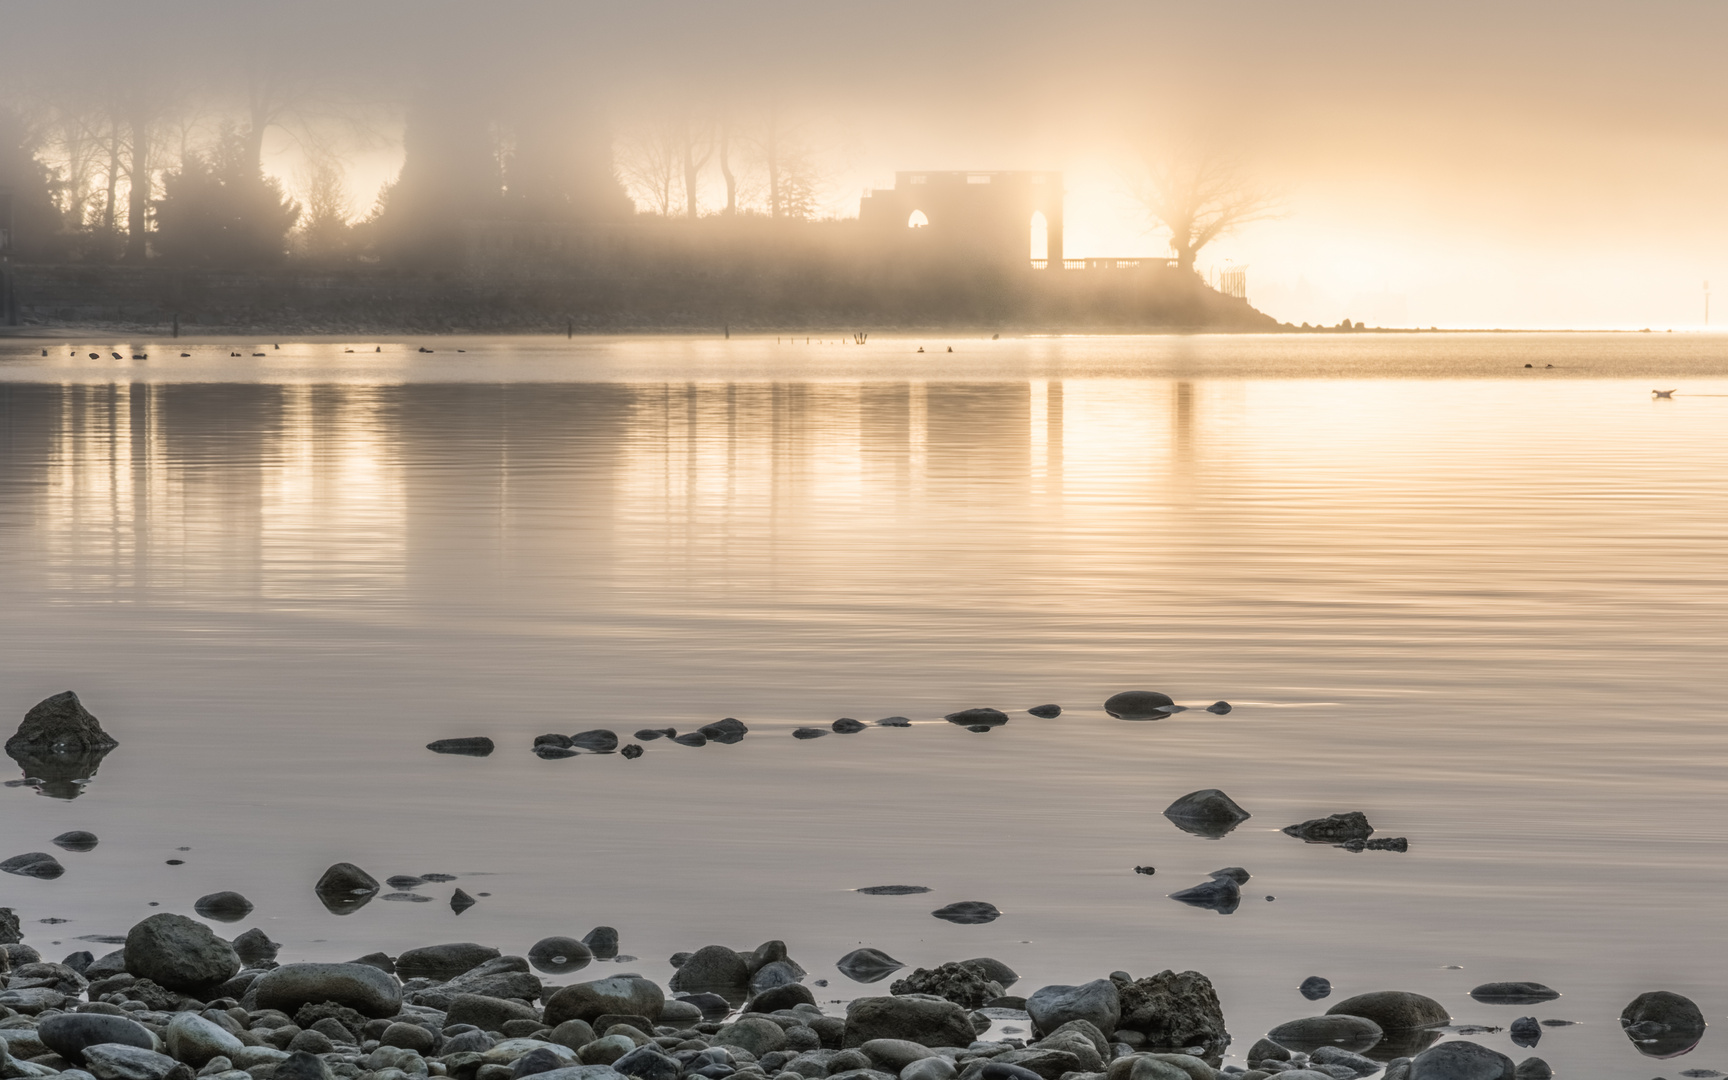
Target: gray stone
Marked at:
574, 1034
461, 901
894, 1055
602, 941
894, 721
809, 732
541, 1059
1046, 712
1222, 895
408, 1037
993, 969
179, 953
1266, 1050
847, 726
756, 1034
36, 864
983, 717
67, 1033
59, 725
729, 730
558, 955
775, 999
590, 1000
712, 967
300, 1065
1335, 829
193, 1039
223, 906
598, 741
116, 1061
345, 888
360, 987
1207, 812
583, 1072
605, 1050
1394, 1010
1525, 1031
1337, 1055
443, 962
467, 746
255, 947
935, 1067
10, 932
648, 1063
487, 1013
959, 983
500, 977
867, 965
917, 1018
1312, 1032
1661, 1023
1315, 987
53, 976
1098, 1002
76, 840
1220, 708
1533, 1068
1139, 705
968, 912
1461, 1060
1174, 1010
1513, 993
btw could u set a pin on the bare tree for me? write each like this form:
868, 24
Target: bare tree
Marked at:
1199, 194
648, 159
786, 153
696, 146
725, 125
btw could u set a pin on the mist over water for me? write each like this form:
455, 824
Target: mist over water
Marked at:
1477, 602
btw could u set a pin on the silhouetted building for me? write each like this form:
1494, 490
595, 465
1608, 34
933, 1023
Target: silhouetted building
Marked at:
998, 217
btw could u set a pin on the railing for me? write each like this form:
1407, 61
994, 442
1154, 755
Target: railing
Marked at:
1040, 264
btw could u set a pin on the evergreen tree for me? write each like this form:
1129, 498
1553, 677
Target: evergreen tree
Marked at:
220, 208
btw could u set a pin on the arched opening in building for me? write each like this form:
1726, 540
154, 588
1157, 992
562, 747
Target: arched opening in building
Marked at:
917, 220
1040, 235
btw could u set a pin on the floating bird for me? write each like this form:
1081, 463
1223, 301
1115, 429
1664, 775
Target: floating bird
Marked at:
140, 356
116, 355
44, 352
1663, 393
185, 354
95, 356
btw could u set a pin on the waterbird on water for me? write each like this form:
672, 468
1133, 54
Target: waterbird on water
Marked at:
1663, 393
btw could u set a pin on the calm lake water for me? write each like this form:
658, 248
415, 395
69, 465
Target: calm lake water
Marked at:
1483, 604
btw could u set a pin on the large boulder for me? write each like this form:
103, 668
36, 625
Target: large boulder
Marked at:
1207, 812
11, 933
919, 1018
193, 1039
500, 977
1394, 1010
1174, 1010
712, 967
67, 1033
59, 725
36, 864
443, 962
1139, 705
629, 995
1312, 1032
1461, 1060
957, 982
1098, 1002
360, 987
179, 953
1662, 1023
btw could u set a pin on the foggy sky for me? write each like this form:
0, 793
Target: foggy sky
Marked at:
1468, 164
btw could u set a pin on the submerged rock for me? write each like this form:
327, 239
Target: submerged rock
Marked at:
968, 912
1513, 993
598, 741
1221, 894
1219, 708
1334, 829
1312, 1032
1207, 812
470, 746
1046, 712
729, 730
809, 732
1394, 1010
602, 941
36, 864
1140, 705
867, 965
894, 721
650, 734
694, 738
1315, 987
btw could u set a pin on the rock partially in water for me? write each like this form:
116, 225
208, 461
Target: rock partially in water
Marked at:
1147, 870
975, 718
648, 734
847, 726
468, 746
1207, 812
1315, 987
894, 721
1534, 1068
627, 995
867, 965
711, 1006
461, 901
1312, 1032
993, 969
225, 906
602, 941
1140, 705
809, 732
69, 1033
36, 864
1661, 1023
550, 752
562, 742
893, 890
1218, 708
1098, 1003
254, 947
1234, 873
404, 881
729, 730
1526, 1031
1334, 829
345, 888
1394, 1010
968, 912
360, 987
1513, 993
1046, 712
694, 738
928, 1021
1461, 1060
597, 741
713, 968
631, 751
443, 962
179, 953
59, 725
959, 983
76, 840
1221, 894
1174, 1010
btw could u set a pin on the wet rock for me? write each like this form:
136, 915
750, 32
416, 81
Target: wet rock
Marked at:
79, 961
1335, 829
486, 1013
255, 947
928, 1021
650, 734
39, 973
59, 725
1533, 1068
345, 888
1234, 873
934, 1067
302, 1066
602, 941
590, 1000
1208, 812
1513, 993
1046, 712
500, 977
1526, 1031
223, 906
1098, 1002
712, 967
712, 1006
548, 752
461, 901
10, 932
631, 751
1394, 1010
993, 969
1222, 895
809, 732
984, 717
1148, 871
404, 881
1139, 705
68, 1033
381, 961
1461, 1060
598, 741
968, 912
36, 864
471, 746
443, 962
894, 721
1218, 708
1174, 1010
76, 840
648, 1063
729, 730
893, 890
847, 726
694, 738
195, 1040
778, 998
867, 965
1314, 988
557, 955
360, 987
1662, 1024
179, 953
561, 742
1266, 1050
777, 973
959, 983
1312, 1032
754, 1033
115, 1061
1382, 843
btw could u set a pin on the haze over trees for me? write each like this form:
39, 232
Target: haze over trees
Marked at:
1199, 193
